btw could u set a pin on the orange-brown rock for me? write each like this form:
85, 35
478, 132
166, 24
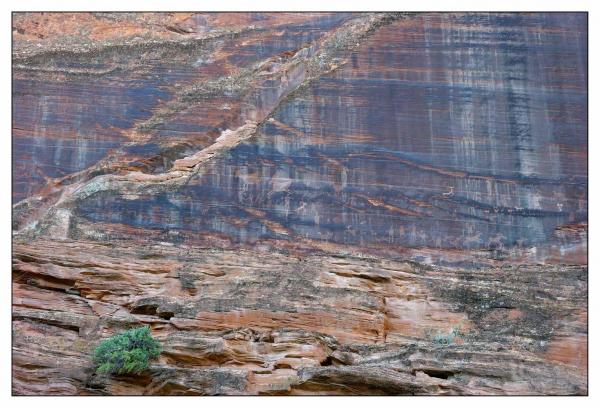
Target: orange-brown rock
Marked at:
252, 322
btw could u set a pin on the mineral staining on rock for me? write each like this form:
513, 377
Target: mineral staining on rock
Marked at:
302, 203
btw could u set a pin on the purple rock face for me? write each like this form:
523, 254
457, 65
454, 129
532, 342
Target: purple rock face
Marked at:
442, 131
72, 110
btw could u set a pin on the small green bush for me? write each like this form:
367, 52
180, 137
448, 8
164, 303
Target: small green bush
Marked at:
127, 352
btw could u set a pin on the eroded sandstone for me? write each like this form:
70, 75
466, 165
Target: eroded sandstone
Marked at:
302, 203
274, 323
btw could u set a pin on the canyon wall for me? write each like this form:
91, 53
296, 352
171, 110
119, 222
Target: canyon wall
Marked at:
302, 203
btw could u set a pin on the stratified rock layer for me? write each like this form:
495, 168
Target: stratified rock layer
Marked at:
302, 203
266, 322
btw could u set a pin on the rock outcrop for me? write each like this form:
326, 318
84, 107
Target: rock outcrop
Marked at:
302, 203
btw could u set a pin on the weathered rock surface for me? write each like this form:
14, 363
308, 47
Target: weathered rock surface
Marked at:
238, 321
346, 203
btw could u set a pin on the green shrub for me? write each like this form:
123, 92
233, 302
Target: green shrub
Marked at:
127, 352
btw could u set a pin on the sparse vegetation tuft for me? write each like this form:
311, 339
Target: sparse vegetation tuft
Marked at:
126, 353
446, 338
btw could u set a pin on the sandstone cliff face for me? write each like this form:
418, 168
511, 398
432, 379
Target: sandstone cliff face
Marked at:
323, 203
